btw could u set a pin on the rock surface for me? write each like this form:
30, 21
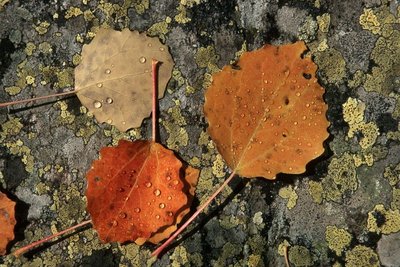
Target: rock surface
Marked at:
344, 211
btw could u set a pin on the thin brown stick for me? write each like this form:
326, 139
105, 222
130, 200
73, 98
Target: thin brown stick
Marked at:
35, 99
285, 255
157, 252
25, 249
154, 64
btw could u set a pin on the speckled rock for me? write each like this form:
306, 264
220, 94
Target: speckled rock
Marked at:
344, 211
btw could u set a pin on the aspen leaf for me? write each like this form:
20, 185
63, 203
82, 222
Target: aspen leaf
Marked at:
266, 113
136, 192
114, 77
7, 222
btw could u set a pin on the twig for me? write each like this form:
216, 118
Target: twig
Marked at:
25, 249
35, 99
154, 64
157, 252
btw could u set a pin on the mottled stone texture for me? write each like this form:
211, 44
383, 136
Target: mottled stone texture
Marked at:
344, 211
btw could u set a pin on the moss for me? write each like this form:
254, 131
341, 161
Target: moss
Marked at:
383, 221
341, 178
316, 191
337, 238
332, 66
361, 256
290, 194
300, 256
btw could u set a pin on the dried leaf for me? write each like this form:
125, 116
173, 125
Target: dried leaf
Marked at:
266, 114
135, 191
7, 222
114, 78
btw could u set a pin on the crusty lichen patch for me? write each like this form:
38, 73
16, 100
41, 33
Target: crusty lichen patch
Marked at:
174, 125
290, 195
385, 221
337, 238
300, 256
331, 65
361, 256
353, 114
206, 57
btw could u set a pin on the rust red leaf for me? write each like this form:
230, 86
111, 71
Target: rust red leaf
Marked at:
7, 222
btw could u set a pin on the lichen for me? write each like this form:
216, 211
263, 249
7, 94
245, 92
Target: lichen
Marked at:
369, 21
337, 238
29, 48
73, 11
383, 221
42, 27
290, 195
300, 256
174, 125
65, 117
141, 6
12, 127
160, 29
206, 57
13, 90
18, 148
395, 204
282, 247
316, 191
341, 178
332, 65
353, 114
324, 22
218, 166
361, 256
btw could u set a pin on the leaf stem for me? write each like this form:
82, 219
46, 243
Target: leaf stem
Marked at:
35, 98
154, 65
25, 249
157, 252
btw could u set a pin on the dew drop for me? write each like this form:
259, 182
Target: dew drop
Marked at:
142, 60
217, 125
97, 104
157, 192
114, 223
162, 49
121, 190
162, 205
99, 85
170, 214
290, 168
304, 118
267, 110
175, 182
157, 216
123, 122
109, 121
242, 115
298, 94
108, 71
295, 123
169, 197
137, 210
307, 105
148, 184
109, 100
122, 215
309, 144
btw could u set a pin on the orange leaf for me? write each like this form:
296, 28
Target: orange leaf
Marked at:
136, 190
7, 222
266, 114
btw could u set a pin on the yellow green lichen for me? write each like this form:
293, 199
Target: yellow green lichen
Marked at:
181, 17
282, 247
290, 195
30, 48
323, 45
323, 22
361, 256
73, 11
177, 134
206, 57
316, 191
369, 21
179, 257
65, 117
18, 148
255, 261
229, 250
141, 6
65, 78
367, 158
395, 204
230, 222
357, 80
383, 221
130, 252
12, 127
177, 76
332, 65
353, 114
42, 27
45, 48
86, 132
300, 256
13, 90
341, 178
218, 166
160, 29
337, 238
